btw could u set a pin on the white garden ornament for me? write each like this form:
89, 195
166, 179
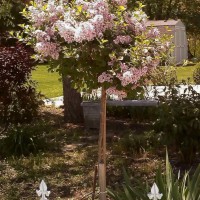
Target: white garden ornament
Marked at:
154, 194
43, 191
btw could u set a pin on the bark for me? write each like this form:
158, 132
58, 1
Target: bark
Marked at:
73, 111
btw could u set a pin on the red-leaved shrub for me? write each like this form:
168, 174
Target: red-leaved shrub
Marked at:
18, 99
16, 65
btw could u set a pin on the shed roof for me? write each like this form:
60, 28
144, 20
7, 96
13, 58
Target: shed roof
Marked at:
170, 22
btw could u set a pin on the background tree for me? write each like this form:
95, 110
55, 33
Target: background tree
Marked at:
5, 14
73, 111
10, 15
187, 11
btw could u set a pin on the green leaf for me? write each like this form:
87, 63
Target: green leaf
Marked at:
121, 8
79, 8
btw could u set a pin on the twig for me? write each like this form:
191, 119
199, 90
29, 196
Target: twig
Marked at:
5, 129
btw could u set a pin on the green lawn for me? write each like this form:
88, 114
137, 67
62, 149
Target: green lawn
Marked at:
50, 86
48, 83
184, 72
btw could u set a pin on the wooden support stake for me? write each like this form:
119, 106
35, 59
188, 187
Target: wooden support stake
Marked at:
102, 147
102, 181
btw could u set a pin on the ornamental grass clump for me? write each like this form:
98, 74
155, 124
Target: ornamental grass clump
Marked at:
24, 139
167, 186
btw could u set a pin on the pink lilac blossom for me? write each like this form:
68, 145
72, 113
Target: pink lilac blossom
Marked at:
50, 31
68, 17
41, 36
47, 49
135, 17
140, 15
37, 16
122, 39
153, 32
85, 31
66, 31
132, 75
54, 12
104, 77
99, 21
123, 66
119, 93
139, 27
51, 14
101, 7
136, 21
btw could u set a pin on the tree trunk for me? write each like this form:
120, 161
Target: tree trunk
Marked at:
73, 112
102, 147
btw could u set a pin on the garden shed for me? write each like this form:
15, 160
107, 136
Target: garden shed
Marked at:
177, 29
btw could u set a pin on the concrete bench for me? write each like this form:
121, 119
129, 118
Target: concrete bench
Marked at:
91, 110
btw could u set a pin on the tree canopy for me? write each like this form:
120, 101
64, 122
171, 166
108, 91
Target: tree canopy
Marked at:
96, 42
10, 14
187, 11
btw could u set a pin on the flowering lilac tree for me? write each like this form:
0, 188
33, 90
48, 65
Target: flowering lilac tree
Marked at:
97, 43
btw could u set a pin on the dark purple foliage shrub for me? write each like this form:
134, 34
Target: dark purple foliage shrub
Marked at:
18, 99
16, 65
